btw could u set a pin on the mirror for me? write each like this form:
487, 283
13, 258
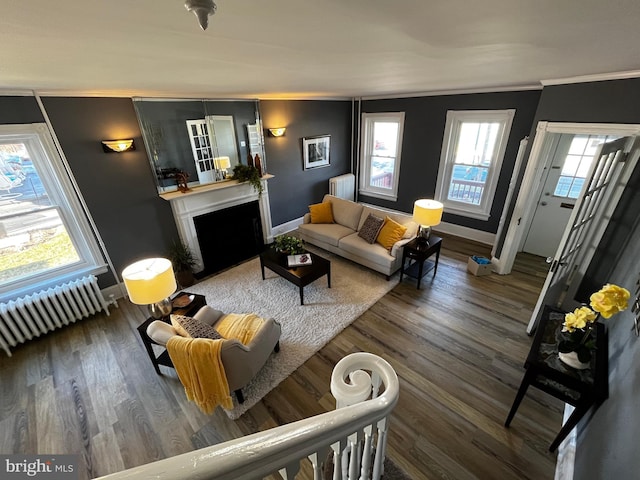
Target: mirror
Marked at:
203, 139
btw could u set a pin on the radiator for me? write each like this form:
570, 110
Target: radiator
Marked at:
343, 186
44, 311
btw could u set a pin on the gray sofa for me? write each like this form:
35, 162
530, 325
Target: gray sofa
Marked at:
342, 237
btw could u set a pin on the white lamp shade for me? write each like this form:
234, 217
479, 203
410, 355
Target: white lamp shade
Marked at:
222, 163
427, 212
149, 281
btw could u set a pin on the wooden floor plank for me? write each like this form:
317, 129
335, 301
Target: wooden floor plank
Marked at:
458, 345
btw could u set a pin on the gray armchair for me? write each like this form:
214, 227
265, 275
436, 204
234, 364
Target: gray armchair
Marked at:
241, 362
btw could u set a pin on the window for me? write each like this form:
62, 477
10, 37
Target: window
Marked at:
577, 163
45, 238
472, 152
381, 148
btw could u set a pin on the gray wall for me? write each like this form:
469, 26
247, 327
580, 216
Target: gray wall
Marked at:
607, 444
119, 188
424, 124
293, 189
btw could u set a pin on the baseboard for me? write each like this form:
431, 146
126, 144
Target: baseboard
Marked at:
114, 292
565, 462
286, 227
466, 232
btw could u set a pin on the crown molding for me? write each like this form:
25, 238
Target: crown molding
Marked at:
437, 93
596, 77
16, 93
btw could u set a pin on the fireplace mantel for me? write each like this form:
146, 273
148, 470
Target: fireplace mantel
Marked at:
210, 198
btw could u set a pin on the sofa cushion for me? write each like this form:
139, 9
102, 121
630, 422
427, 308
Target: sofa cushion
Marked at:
321, 212
330, 233
345, 212
390, 233
194, 328
370, 228
401, 218
374, 252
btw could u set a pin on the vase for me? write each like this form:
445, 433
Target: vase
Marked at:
258, 164
571, 359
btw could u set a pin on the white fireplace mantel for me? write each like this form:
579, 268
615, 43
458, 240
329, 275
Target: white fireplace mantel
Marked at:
213, 197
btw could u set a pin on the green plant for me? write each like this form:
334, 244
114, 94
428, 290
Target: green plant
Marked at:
248, 173
181, 257
289, 244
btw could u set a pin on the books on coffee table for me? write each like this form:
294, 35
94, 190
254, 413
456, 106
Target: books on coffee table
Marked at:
299, 260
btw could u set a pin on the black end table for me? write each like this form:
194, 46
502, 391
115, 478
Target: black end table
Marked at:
196, 304
544, 370
417, 253
299, 276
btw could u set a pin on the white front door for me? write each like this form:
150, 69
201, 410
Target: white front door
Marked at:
607, 178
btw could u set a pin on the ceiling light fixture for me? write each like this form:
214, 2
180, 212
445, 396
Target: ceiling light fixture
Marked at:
201, 9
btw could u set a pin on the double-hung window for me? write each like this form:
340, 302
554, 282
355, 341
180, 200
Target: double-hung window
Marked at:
472, 153
45, 238
381, 149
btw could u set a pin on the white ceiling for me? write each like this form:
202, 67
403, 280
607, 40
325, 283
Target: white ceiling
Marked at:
310, 49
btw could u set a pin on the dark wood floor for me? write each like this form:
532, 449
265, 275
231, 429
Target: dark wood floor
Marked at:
458, 346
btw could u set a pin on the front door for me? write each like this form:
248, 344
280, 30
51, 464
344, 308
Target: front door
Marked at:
606, 180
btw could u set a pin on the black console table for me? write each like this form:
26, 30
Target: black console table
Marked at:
581, 388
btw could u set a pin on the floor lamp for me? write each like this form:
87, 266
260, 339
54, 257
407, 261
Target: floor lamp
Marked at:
426, 213
150, 282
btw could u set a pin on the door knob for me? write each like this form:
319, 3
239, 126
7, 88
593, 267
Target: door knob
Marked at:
543, 204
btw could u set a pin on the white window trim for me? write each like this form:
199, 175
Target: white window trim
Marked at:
367, 150
445, 170
59, 187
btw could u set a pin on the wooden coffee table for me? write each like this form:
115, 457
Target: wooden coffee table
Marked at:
300, 276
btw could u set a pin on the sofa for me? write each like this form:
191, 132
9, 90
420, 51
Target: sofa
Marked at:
342, 235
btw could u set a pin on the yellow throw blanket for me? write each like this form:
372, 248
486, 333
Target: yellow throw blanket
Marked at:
239, 326
199, 367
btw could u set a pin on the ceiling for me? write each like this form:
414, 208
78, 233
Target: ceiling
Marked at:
310, 49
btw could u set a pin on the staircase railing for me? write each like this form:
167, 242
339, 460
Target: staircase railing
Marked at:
366, 390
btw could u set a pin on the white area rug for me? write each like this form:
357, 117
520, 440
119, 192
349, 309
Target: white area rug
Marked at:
305, 328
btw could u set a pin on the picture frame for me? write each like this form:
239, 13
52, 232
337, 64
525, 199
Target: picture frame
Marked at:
315, 151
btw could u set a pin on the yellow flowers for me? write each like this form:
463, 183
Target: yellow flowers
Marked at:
579, 318
610, 300
607, 301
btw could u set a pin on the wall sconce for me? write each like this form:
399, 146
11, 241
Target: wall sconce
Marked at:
118, 146
277, 132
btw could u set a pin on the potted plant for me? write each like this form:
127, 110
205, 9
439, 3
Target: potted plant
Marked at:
248, 173
183, 262
289, 245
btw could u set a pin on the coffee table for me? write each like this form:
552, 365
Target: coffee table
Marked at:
300, 276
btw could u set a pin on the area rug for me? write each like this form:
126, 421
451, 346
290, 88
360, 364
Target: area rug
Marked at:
305, 328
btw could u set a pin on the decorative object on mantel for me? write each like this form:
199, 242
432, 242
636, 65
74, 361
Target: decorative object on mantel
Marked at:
249, 159
248, 173
183, 262
289, 245
257, 162
576, 347
201, 9
181, 179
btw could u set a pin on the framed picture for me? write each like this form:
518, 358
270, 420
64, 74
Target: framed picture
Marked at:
315, 151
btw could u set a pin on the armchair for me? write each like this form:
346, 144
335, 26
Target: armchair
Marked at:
241, 362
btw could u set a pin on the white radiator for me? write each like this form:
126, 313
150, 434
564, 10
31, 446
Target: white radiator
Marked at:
44, 311
343, 186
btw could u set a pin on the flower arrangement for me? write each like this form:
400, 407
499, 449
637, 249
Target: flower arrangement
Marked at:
577, 326
289, 244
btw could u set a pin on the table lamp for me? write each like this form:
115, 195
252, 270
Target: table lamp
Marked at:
222, 164
150, 282
426, 213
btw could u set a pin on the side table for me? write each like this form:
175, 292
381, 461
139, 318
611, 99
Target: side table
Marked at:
581, 388
419, 253
196, 304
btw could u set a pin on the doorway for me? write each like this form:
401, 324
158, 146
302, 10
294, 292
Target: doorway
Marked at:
562, 180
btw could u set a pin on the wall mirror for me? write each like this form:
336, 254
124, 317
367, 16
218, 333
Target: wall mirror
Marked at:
203, 139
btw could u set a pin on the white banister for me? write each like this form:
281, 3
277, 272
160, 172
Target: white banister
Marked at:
349, 431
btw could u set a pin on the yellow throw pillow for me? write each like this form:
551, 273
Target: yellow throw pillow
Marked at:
390, 233
321, 213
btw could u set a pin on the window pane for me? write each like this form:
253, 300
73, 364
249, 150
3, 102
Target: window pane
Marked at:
578, 145
476, 142
385, 136
382, 169
467, 184
33, 238
570, 166
563, 186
